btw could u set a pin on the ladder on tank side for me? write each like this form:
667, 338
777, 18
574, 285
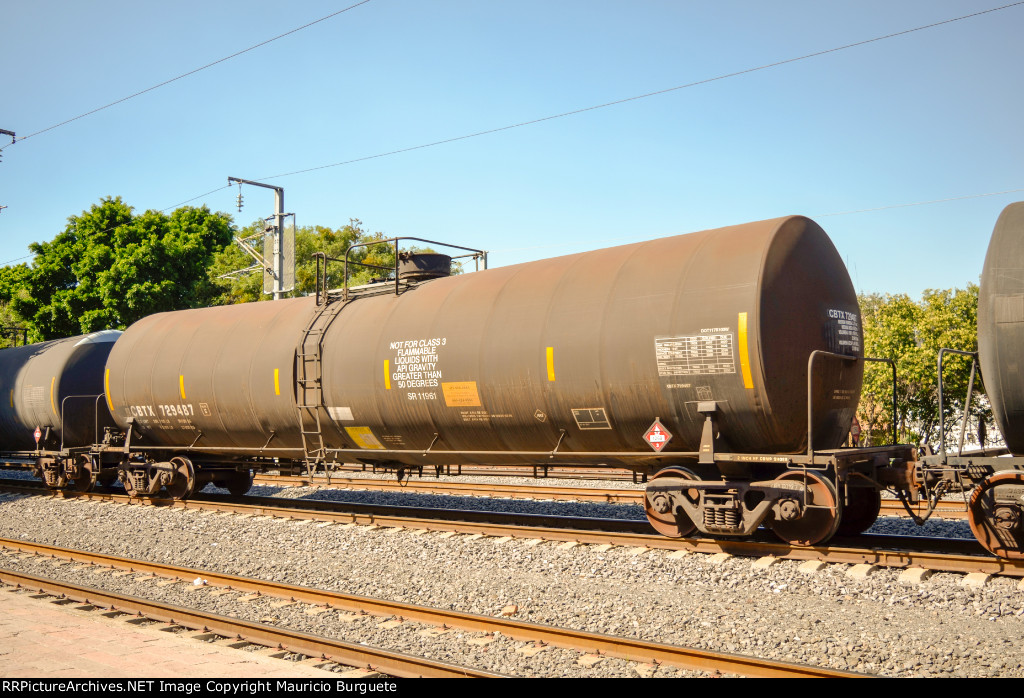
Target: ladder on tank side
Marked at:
309, 393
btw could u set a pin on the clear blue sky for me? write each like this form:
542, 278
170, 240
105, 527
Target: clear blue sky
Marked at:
931, 115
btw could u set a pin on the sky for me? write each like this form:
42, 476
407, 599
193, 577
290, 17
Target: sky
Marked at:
904, 149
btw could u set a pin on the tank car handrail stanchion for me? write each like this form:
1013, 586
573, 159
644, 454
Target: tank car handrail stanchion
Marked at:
345, 276
892, 364
96, 418
317, 256
967, 410
810, 396
967, 405
77, 397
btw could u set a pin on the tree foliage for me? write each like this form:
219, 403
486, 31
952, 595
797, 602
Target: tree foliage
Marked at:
911, 333
12, 285
111, 267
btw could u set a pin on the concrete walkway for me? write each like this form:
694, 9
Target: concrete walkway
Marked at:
40, 638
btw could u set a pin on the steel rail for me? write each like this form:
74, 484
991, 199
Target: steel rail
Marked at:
609, 495
944, 510
976, 560
349, 654
622, 647
579, 494
555, 471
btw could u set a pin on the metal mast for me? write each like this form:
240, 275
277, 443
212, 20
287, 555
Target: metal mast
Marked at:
277, 262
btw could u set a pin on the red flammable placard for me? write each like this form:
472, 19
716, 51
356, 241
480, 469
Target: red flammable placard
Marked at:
657, 436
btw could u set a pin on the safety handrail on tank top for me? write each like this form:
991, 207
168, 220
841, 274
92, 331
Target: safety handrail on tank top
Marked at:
321, 281
14, 332
810, 392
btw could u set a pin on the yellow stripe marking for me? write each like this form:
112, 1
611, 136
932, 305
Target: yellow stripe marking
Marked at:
53, 404
748, 382
106, 391
181, 386
387, 375
12, 397
551, 363
277, 382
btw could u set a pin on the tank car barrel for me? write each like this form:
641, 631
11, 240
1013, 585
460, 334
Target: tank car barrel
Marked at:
580, 353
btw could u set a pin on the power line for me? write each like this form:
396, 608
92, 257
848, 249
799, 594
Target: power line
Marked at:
648, 94
558, 244
815, 215
191, 72
919, 203
187, 201
561, 115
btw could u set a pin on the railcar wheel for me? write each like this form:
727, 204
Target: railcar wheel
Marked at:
183, 481
671, 523
859, 511
994, 512
85, 469
807, 520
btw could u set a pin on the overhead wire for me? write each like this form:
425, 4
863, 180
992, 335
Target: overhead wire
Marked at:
562, 114
613, 239
920, 203
185, 75
634, 98
814, 215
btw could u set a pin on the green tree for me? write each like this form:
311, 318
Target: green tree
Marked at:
12, 285
110, 268
911, 333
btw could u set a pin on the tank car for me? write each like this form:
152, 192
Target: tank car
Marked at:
729, 362
994, 477
52, 410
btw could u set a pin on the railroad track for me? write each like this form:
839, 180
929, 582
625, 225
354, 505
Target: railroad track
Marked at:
341, 652
937, 554
543, 471
359, 655
606, 495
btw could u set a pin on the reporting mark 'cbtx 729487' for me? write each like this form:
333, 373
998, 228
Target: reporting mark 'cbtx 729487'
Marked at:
727, 363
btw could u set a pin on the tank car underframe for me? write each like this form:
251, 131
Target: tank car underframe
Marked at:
804, 500
995, 503
180, 474
71, 467
993, 477
140, 471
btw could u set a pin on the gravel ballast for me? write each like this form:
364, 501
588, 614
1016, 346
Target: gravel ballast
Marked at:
874, 625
